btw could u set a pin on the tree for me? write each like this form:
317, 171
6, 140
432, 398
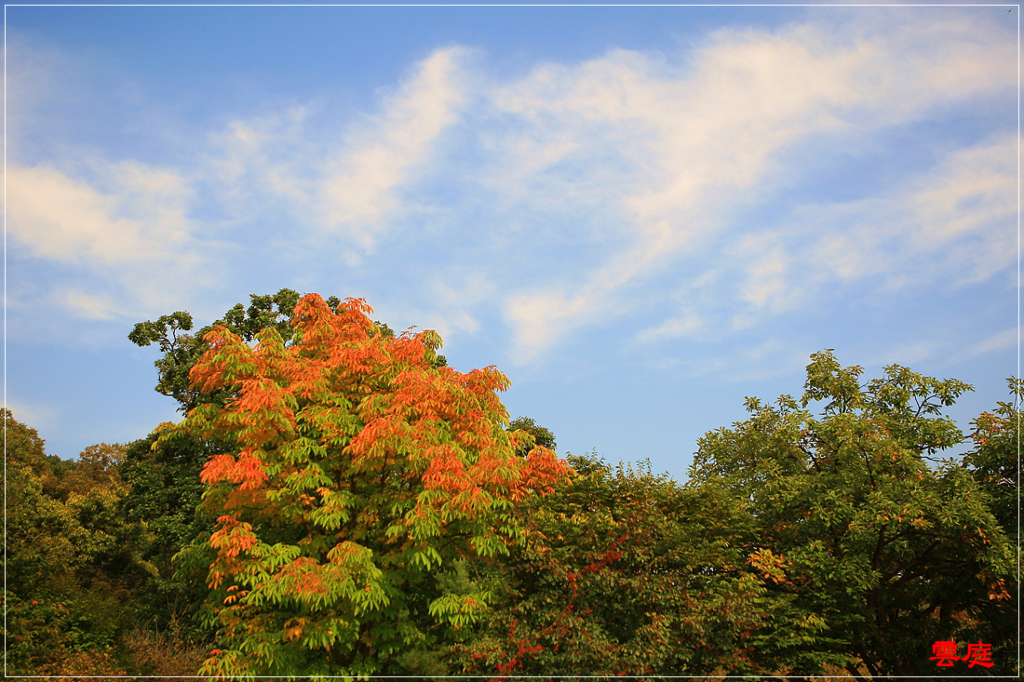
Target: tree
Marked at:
42, 537
541, 436
98, 466
993, 462
856, 536
69, 557
359, 469
182, 350
165, 495
164, 478
624, 573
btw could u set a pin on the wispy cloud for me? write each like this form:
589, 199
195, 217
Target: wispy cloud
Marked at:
907, 354
131, 230
953, 223
590, 179
262, 162
1007, 338
360, 189
670, 147
680, 326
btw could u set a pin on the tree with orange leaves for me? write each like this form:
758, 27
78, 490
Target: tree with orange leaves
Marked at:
361, 470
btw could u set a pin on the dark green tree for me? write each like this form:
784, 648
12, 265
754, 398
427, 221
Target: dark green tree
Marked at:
624, 572
993, 462
165, 496
541, 436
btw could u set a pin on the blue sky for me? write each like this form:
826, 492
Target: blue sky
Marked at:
640, 214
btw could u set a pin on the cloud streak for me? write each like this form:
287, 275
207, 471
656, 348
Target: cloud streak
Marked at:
687, 142
134, 231
578, 185
361, 187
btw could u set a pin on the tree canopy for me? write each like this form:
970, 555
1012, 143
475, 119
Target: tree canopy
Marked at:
362, 469
339, 501
181, 350
862, 544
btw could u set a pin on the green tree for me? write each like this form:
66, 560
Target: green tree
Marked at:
70, 557
624, 572
993, 462
360, 470
182, 350
165, 496
874, 552
43, 538
541, 436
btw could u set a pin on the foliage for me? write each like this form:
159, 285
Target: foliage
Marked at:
624, 573
164, 497
993, 463
182, 350
70, 562
361, 468
97, 467
339, 501
168, 652
42, 536
43, 638
541, 436
164, 478
24, 447
856, 535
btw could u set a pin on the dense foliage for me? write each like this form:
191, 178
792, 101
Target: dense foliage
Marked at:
71, 560
863, 546
339, 501
623, 572
363, 468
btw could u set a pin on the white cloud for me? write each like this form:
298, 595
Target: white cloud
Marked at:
955, 223
907, 354
42, 84
1007, 338
766, 284
669, 149
360, 190
456, 297
970, 201
126, 233
1004, 339
57, 217
676, 327
268, 156
541, 319
614, 171
91, 306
